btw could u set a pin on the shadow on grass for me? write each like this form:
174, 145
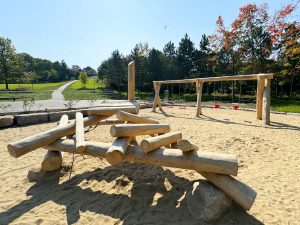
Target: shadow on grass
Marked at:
138, 208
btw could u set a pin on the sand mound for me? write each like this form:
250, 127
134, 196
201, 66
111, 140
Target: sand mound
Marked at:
98, 193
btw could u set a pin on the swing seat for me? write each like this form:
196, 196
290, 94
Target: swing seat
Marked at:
216, 106
235, 107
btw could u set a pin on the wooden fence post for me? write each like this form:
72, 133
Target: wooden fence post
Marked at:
266, 103
131, 81
259, 97
199, 96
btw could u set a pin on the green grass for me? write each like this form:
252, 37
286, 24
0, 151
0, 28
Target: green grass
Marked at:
286, 105
91, 91
39, 92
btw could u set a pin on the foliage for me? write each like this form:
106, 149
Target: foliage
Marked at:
83, 78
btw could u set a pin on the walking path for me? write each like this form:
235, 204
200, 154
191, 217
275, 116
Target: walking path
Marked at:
57, 94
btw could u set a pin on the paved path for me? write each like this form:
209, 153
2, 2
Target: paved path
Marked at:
57, 94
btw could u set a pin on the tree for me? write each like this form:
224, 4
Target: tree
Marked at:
170, 64
7, 59
75, 70
291, 53
185, 57
83, 78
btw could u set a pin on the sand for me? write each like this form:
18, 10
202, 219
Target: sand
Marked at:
98, 193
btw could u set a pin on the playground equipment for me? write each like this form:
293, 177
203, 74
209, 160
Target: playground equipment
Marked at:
262, 95
217, 168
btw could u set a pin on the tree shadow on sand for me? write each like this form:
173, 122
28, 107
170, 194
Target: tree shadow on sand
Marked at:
136, 207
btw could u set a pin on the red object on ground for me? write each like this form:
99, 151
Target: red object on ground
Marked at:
216, 106
235, 107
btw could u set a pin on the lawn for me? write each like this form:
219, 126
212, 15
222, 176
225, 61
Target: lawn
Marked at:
37, 91
91, 91
286, 105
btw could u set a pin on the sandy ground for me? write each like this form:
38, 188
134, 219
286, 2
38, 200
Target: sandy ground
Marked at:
96, 193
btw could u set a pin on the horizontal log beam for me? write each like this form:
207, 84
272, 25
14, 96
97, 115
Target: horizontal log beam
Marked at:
186, 146
153, 143
220, 78
200, 161
117, 150
109, 111
129, 130
26, 145
125, 116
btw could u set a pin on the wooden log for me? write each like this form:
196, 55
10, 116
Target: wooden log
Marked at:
259, 97
26, 145
199, 97
153, 143
109, 111
241, 193
80, 145
219, 78
200, 161
131, 81
125, 116
92, 148
186, 146
156, 98
266, 103
117, 150
129, 130
54, 159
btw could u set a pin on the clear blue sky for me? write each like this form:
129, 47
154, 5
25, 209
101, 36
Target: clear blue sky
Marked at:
85, 32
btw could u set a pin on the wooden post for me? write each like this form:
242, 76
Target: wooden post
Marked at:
80, 145
156, 98
117, 150
156, 142
129, 130
197, 86
131, 81
54, 159
241, 193
259, 97
199, 96
26, 145
266, 103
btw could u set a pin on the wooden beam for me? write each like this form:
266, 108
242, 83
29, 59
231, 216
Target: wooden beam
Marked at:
200, 161
109, 111
131, 81
117, 150
186, 146
26, 145
259, 97
156, 98
241, 193
80, 145
220, 78
54, 159
266, 102
125, 116
129, 130
153, 143
199, 97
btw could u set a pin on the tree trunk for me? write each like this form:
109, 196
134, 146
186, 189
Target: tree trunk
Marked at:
6, 84
291, 88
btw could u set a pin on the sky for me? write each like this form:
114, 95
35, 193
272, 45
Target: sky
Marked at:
86, 32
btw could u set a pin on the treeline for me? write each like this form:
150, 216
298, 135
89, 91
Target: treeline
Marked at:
256, 42
23, 68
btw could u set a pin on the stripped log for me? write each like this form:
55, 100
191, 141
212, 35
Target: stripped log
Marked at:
131, 81
117, 150
26, 145
125, 116
186, 146
204, 161
156, 142
129, 130
266, 103
241, 193
80, 145
54, 159
259, 97
109, 111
